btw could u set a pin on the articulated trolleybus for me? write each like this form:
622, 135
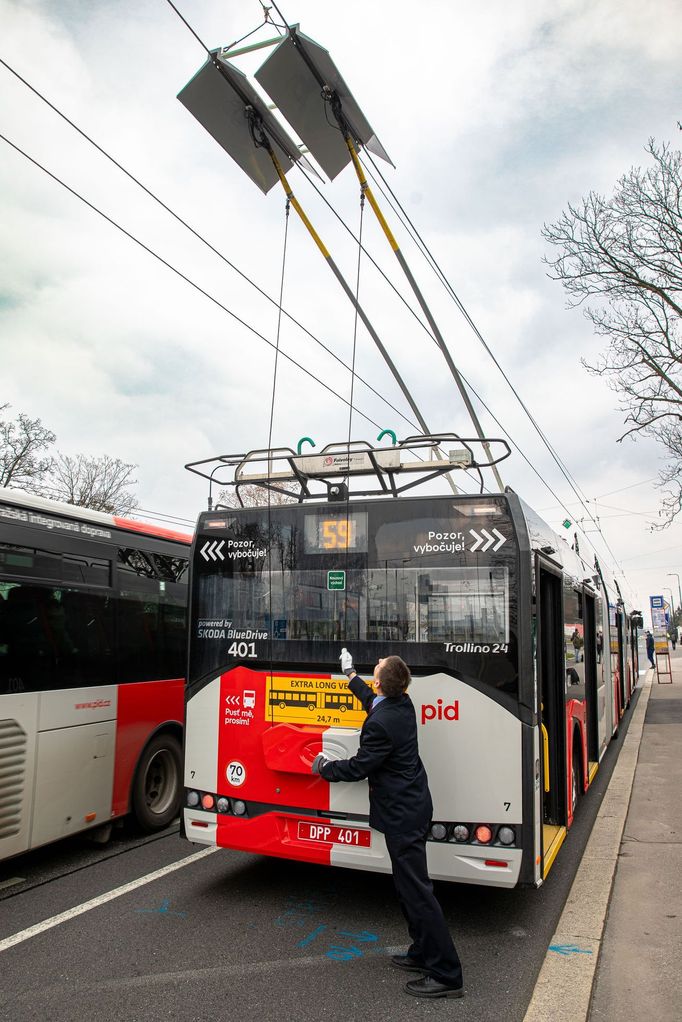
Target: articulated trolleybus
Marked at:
522, 660
92, 644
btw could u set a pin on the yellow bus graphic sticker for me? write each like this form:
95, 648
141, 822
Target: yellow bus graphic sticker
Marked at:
323, 702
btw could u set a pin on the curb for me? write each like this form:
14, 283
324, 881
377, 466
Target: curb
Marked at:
564, 985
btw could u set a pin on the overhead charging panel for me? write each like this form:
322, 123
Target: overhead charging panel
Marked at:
218, 98
289, 79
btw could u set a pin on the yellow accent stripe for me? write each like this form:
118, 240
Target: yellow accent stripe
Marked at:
592, 771
370, 195
545, 755
551, 853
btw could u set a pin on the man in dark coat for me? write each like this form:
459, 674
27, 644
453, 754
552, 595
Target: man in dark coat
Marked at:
400, 808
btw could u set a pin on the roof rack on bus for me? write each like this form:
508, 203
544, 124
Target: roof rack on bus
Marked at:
285, 471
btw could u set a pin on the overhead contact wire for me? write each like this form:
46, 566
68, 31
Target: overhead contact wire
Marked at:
179, 273
199, 237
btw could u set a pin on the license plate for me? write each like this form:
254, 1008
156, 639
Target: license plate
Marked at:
334, 835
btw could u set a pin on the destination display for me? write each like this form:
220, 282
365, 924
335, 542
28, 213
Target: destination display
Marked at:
330, 532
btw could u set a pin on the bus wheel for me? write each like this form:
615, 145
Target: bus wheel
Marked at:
157, 792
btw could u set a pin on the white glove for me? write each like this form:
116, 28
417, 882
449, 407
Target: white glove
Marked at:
346, 659
319, 762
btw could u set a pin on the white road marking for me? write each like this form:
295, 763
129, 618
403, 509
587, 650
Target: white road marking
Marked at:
101, 899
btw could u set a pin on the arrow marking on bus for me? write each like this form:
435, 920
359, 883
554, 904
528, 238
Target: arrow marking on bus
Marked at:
232, 700
498, 539
211, 549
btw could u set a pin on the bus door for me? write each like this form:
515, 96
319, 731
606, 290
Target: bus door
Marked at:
622, 659
551, 702
593, 661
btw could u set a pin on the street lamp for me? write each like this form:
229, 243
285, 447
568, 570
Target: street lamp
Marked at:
679, 587
667, 589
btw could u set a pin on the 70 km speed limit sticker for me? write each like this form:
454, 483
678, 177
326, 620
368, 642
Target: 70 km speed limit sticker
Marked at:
235, 773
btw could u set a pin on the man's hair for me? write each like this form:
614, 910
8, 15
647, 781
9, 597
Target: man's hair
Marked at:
394, 675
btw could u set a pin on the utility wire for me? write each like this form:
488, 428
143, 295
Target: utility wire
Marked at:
208, 244
217, 252
441, 275
209, 54
417, 238
358, 241
162, 516
200, 237
180, 274
431, 259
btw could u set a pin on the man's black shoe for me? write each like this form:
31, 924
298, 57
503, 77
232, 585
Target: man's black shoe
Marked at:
430, 987
406, 962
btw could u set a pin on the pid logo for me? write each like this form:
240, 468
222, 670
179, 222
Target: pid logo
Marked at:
440, 712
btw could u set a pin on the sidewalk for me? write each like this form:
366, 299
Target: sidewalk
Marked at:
639, 971
622, 921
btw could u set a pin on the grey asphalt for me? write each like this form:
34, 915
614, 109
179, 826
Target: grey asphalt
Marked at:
236, 936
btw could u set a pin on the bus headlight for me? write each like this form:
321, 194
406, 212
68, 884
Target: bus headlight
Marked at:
192, 799
223, 805
238, 807
438, 831
506, 836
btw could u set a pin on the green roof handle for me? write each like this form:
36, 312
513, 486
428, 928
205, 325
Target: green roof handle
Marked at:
388, 432
304, 440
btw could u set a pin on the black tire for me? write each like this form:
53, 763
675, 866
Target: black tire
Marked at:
157, 787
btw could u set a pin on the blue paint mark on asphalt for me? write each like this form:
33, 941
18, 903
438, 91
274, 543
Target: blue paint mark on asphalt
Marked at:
163, 910
311, 936
298, 913
569, 949
364, 937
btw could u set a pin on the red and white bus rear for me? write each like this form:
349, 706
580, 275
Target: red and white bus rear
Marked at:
92, 664
504, 629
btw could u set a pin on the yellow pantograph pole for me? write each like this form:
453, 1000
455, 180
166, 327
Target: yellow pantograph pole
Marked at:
360, 311
342, 281
367, 191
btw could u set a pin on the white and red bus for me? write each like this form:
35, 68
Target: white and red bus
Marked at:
521, 656
92, 664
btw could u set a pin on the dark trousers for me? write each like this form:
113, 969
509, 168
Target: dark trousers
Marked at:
431, 941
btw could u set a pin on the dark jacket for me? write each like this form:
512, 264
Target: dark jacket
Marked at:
399, 797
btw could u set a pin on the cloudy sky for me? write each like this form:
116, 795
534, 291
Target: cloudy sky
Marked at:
496, 115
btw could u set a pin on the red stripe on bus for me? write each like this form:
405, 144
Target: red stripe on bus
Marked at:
142, 708
271, 834
153, 530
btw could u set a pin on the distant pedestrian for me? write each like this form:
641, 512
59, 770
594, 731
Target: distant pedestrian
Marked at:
650, 648
577, 641
673, 638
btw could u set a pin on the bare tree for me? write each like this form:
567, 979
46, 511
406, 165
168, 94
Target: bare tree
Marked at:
22, 443
258, 496
101, 484
624, 255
